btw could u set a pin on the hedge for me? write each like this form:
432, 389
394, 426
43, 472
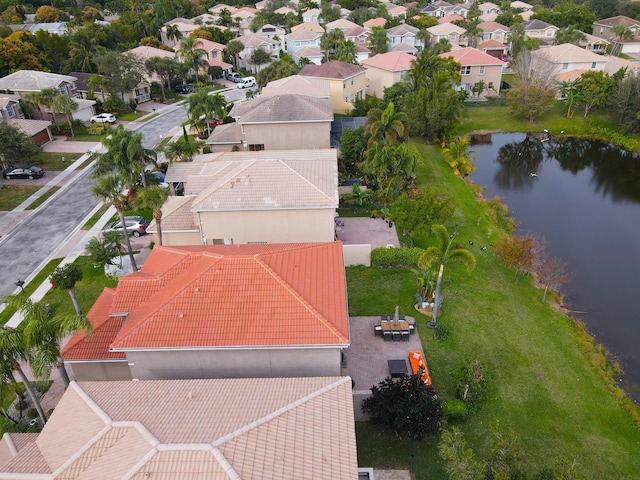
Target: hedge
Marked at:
395, 257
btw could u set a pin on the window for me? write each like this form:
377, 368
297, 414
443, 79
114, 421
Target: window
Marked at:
549, 33
601, 30
256, 147
344, 85
481, 72
486, 36
498, 36
63, 89
453, 38
352, 82
593, 65
10, 111
565, 66
465, 70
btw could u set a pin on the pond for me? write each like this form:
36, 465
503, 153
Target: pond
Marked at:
583, 198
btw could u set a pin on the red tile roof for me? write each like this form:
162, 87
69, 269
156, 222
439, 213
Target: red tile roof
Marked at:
224, 296
332, 69
472, 56
105, 328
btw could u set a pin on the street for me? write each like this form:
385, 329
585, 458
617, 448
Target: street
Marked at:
40, 235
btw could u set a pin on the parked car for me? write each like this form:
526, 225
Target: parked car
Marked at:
154, 178
247, 82
104, 118
233, 76
136, 226
214, 122
186, 88
29, 172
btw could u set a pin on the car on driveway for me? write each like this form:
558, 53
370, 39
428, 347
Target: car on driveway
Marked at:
214, 122
233, 77
136, 226
183, 88
30, 172
104, 118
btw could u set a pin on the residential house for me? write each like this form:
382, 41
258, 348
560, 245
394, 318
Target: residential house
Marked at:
340, 24
144, 53
274, 33
302, 38
495, 49
344, 13
385, 70
11, 113
205, 428
543, 31
594, 44
476, 67
285, 11
313, 54
450, 18
244, 16
495, 31
10, 108
403, 33
185, 27
347, 81
522, 6
297, 85
396, 10
362, 53
232, 311
488, 8
358, 35
214, 55
216, 9
251, 43
441, 8
568, 57
312, 15
454, 34
375, 22
24, 82
604, 29
206, 20
313, 26
52, 28
615, 64
284, 121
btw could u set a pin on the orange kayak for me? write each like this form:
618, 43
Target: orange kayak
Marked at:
417, 361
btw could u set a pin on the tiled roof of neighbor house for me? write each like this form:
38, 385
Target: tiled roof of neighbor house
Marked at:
209, 46
617, 20
145, 52
472, 56
8, 98
567, 52
450, 18
341, 24
29, 127
297, 85
216, 429
402, 30
356, 32
230, 133
445, 29
313, 26
537, 25
176, 216
304, 34
362, 49
255, 40
405, 48
519, 4
392, 61
285, 10
569, 75
614, 64
333, 69
492, 27
375, 22
221, 6
105, 328
309, 52
220, 296
283, 108
312, 11
492, 45
33, 81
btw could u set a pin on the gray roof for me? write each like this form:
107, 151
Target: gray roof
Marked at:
33, 81
230, 133
284, 108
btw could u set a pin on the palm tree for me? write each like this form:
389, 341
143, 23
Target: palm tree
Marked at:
622, 33
43, 98
459, 156
442, 254
166, 68
330, 40
387, 124
424, 36
110, 188
153, 198
12, 351
182, 149
347, 52
203, 104
83, 48
233, 48
378, 40
473, 32
43, 333
66, 105
192, 53
260, 57
66, 277
173, 33
569, 34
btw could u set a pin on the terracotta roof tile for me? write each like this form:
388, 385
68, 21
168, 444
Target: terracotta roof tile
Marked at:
176, 216
332, 69
472, 56
295, 84
316, 27
392, 61
450, 18
28, 460
183, 464
228, 133
375, 22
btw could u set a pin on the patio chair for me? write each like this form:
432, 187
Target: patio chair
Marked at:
378, 330
405, 335
412, 329
396, 336
386, 336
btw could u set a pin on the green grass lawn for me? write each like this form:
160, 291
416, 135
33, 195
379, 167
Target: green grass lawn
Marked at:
132, 116
96, 216
13, 195
542, 386
50, 161
43, 198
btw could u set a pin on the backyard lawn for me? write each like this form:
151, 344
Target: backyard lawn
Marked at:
13, 195
542, 387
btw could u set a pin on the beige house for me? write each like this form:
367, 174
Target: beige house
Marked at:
340, 24
222, 311
214, 55
347, 82
494, 31
284, 121
252, 42
291, 196
144, 53
543, 31
476, 67
604, 29
185, 27
403, 34
192, 429
385, 70
297, 85
568, 57
447, 31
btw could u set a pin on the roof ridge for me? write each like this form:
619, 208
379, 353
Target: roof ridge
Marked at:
282, 410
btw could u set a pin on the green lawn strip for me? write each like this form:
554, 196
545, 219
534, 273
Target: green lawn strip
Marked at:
31, 287
50, 161
96, 216
85, 137
13, 195
43, 198
541, 384
132, 116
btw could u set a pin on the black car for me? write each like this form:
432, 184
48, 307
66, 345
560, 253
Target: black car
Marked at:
29, 172
184, 88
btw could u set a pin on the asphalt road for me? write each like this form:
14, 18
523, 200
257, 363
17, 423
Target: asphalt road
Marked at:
39, 236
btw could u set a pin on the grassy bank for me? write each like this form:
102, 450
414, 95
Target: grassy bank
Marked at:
543, 386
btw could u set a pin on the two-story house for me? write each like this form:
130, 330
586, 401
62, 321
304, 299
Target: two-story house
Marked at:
403, 34
568, 58
214, 55
543, 31
385, 70
303, 39
11, 114
347, 82
495, 31
604, 29
251, 43
476, 67
454, 34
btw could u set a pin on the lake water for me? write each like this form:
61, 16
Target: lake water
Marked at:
585, 202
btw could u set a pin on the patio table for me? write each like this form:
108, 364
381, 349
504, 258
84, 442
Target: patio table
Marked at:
397, 368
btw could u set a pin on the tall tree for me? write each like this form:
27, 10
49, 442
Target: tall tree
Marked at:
330, 40
43, 98
233, 48
595, 89
387, 125
347, 52
458, 154
569, 34
378, 40
622, 33
110, 189
202, 105
167, 69
284, 67
15, 146
518, 251
173, 33
438, 256
570, 94
260, 57
153, 198
44, 332
83, 51
123, 71
66, 277
551, 273
192, 53
65, 105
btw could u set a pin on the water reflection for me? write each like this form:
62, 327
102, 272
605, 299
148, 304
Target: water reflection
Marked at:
518, 160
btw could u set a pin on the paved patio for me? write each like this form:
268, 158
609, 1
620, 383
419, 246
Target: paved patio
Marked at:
365, 230
366, 357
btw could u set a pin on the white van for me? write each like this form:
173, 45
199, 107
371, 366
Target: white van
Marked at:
247, 82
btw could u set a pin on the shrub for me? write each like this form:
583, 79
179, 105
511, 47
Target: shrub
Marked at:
98, 128
206, 149
471, 385
454, 410
32, 413
395, 257
441, 332
21, 405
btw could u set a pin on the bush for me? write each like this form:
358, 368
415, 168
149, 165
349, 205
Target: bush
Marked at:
471, 385
395, 257
98, 128
454, 410
206, 149
32, 413
441, 332
21, 405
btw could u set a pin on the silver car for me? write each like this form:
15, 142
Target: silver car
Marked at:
136, 226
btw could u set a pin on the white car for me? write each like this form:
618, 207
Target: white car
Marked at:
104, 118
